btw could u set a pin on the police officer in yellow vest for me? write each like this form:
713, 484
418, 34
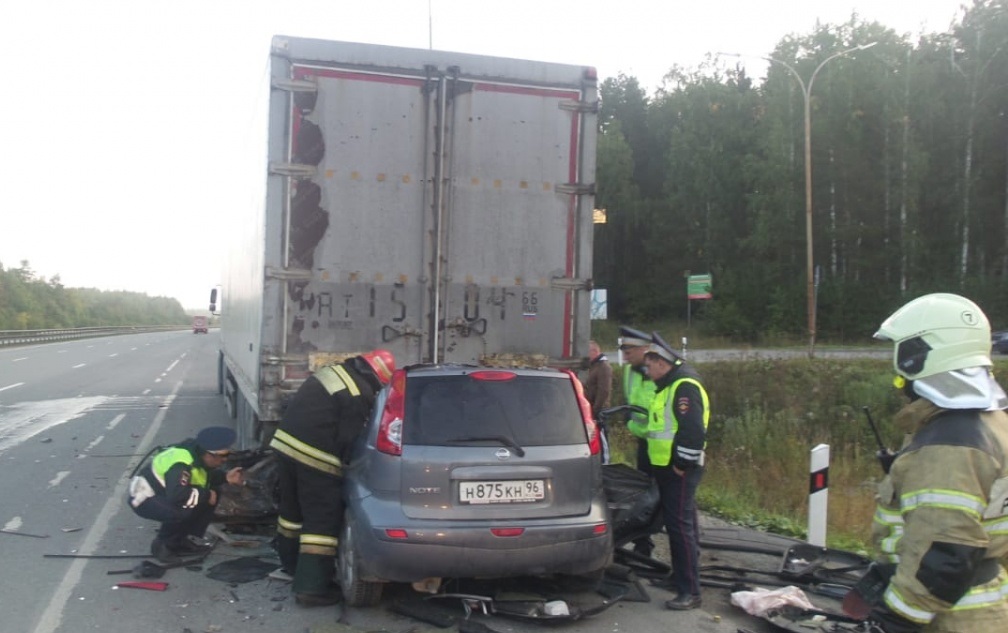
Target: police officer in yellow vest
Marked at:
941, 524
676, 436
638, 390
321, 421
179, 488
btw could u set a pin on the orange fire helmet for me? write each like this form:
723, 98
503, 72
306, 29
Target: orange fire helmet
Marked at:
382, 363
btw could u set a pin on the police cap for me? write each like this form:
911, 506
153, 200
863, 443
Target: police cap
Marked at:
629, 337
660, 348
215, 438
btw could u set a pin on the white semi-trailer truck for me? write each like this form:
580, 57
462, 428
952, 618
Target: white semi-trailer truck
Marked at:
432, 203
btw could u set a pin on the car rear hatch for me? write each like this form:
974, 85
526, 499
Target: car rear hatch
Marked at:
495, 445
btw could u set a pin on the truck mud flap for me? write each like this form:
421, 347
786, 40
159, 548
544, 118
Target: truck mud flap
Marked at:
230, 395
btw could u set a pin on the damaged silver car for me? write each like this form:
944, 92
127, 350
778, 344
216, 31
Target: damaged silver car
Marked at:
469, 472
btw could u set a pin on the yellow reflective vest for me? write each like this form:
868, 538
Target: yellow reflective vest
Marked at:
663, 426
638, 390
164, 460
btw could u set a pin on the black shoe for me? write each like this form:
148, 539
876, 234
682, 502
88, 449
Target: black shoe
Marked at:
327, 599
683, 602
163, 553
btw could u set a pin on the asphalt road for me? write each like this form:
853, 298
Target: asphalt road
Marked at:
76, 417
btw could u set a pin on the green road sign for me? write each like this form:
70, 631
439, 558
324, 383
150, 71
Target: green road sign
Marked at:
699, 287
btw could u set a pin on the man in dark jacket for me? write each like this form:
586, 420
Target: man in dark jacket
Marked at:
597, 390
321, 422
180, 488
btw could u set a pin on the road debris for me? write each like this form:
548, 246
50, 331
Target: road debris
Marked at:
16, 533
142, 584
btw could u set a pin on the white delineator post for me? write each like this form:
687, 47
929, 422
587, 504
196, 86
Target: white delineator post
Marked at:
818, 494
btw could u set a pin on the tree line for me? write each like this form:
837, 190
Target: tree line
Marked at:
30, 302
909, 155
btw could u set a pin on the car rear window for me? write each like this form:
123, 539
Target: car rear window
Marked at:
530, 410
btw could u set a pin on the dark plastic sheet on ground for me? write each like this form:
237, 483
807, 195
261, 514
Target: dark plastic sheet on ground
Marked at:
632, 498
241, 570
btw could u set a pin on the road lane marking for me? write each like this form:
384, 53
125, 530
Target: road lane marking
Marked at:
17, 359
94, 443
52, 616
17, 384
116, 420
113, 355
13, 525
171, 367
60, 476
78, 366
145, 392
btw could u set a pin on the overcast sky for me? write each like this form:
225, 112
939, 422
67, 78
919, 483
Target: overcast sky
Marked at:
122, 126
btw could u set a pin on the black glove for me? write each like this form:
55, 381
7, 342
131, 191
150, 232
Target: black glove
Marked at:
885, 458
867, 593
883, 620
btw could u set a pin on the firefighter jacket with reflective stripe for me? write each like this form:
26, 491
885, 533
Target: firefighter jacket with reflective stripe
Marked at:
178, 474
942, 517
326, 414
677, 421
638, 390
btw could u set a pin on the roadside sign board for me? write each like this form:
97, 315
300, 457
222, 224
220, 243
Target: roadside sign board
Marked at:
599, 304
699, 287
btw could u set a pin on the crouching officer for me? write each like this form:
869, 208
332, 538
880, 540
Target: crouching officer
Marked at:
941, 523
180, 488
676, 436
321, 422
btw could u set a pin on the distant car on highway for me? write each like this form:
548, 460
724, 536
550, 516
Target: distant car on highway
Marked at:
470, 472
999, 342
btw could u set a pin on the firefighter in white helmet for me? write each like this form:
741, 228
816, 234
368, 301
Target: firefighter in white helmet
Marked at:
941, 523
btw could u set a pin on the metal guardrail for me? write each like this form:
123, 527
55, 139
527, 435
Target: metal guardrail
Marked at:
31, 337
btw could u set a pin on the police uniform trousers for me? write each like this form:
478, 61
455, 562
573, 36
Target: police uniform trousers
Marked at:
176, 523
311, 515
678, 500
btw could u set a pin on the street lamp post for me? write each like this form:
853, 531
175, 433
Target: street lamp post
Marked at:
807, 94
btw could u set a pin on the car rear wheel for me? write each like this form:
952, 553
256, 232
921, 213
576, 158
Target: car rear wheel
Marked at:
356, 592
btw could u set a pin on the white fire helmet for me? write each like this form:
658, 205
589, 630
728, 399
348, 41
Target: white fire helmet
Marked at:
937, 333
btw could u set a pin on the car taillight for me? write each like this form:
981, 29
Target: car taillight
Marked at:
390, 428
505, 532
594, 442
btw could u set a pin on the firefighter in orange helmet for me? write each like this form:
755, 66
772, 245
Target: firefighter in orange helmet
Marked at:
321, 422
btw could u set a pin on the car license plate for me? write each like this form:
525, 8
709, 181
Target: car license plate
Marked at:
515, 491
